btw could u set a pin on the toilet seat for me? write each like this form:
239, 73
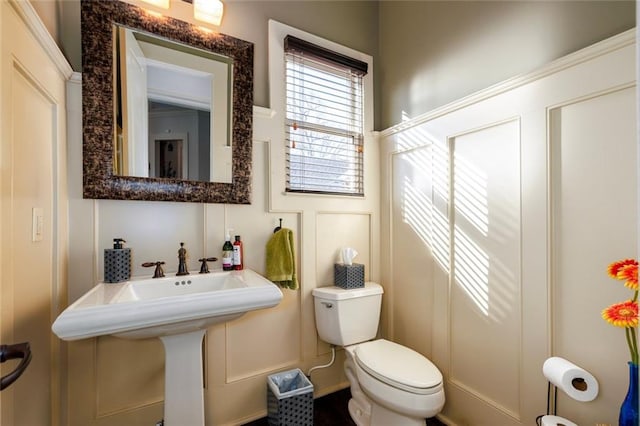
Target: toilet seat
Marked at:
399, 367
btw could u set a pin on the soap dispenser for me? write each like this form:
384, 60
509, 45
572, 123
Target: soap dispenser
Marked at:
117, 262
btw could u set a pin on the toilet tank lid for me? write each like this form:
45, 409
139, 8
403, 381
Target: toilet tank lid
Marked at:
337, 293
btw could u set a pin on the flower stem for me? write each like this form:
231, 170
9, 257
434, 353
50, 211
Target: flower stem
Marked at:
634, 343
630, 334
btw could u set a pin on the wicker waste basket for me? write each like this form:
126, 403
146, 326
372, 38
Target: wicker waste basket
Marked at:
289, 399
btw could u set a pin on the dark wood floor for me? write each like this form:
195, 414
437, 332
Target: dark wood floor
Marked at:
331, 410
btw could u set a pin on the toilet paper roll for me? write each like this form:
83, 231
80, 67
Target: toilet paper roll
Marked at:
579, 384
556, 421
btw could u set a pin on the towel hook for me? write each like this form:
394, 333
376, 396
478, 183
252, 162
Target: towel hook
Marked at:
279, 227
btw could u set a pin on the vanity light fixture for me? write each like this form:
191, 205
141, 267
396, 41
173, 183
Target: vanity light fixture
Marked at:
209, 11
164, 4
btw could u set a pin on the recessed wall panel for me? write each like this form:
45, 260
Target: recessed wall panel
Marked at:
485, 310
335, 231
153, 231
263, 340
27, 281
129, 374
420, 243
594, 211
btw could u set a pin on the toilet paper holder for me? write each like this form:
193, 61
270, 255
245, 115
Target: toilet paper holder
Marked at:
576, 382
552, 400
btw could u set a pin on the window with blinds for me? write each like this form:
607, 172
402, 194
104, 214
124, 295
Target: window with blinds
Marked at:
324, 120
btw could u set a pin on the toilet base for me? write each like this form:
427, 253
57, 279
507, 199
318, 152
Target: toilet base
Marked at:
366, 412
383, 417
379, 416
359, 414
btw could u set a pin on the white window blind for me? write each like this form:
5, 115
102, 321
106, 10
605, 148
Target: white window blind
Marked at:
324, 121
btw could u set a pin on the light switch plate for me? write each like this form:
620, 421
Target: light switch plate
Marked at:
37, 224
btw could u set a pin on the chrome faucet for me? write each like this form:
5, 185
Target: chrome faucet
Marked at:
182, 261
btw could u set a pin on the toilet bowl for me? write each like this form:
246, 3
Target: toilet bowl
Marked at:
400, 384
390, 383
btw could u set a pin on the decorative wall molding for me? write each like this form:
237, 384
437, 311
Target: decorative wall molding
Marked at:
75, 78
261, 112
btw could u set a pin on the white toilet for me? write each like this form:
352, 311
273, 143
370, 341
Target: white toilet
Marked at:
390, 384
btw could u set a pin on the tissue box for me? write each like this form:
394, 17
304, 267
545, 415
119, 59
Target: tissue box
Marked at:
348, 276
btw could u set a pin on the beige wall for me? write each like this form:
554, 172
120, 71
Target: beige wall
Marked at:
49, 13
231, 373
351, 23
427, 53
434, 52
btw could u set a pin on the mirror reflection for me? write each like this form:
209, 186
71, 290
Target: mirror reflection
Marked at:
173, 109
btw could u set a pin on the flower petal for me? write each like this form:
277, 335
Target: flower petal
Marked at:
629, 273
615, 267
623, 314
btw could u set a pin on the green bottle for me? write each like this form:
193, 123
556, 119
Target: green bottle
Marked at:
227, 253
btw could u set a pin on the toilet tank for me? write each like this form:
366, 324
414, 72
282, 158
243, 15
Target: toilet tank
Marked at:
346, 317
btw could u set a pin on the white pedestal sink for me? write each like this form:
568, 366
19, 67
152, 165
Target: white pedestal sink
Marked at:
177, 310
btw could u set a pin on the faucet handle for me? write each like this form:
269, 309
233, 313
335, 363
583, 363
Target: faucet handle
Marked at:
158, 273
204, 268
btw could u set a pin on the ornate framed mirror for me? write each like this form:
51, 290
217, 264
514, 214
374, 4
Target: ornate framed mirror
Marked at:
106, 158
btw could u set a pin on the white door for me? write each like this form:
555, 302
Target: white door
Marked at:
33, 216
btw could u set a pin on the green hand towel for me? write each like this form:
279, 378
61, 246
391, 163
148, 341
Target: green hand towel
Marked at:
281, 259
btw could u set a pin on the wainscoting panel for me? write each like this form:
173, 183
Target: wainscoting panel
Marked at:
420, 241
485, 290
273, 333
139, 384
336, 231
153, 232
595, 218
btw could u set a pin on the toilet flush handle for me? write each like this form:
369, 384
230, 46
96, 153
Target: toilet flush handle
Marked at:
327, 305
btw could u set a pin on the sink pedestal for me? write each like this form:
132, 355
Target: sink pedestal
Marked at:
183, 385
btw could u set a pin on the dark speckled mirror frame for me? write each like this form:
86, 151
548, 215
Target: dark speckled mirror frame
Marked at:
99, 181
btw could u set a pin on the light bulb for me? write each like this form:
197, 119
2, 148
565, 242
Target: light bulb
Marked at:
208, 11
164, 4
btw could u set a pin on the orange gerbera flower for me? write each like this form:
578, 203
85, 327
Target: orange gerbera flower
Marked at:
622, 314
625, 314
614, 268
629, 273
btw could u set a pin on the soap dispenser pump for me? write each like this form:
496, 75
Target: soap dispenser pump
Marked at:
117, 262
